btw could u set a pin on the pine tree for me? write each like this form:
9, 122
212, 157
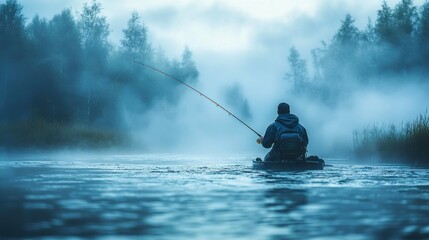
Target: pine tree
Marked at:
347, 36
384, 25
404, 17
135, 43
94, 32
187, 66
13, 48
423, 35
298, 71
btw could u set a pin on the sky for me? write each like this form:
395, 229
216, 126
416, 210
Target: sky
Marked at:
218, 27
243, 43
221, 26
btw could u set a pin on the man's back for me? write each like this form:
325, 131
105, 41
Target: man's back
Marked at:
287, 137
284, 123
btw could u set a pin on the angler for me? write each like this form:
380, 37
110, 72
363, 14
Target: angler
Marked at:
288, 138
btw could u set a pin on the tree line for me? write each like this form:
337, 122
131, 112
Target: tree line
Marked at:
65, 70
393, 49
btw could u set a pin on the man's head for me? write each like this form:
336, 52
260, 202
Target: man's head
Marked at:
283, 108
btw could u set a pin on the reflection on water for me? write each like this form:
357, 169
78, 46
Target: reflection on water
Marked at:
180, 197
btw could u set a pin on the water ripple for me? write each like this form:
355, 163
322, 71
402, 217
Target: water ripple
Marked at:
180, 197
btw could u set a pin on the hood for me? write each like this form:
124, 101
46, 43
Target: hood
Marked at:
290, 120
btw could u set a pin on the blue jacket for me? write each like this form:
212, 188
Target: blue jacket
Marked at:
283, 122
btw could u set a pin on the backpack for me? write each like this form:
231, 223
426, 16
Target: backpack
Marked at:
290, 144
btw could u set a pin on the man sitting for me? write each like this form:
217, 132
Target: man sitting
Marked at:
287, 137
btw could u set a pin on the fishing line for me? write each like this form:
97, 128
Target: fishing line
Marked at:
201, 94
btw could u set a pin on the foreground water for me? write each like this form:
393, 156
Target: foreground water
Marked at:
183, 197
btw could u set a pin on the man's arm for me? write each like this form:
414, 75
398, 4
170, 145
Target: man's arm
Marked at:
269, 137
304, 136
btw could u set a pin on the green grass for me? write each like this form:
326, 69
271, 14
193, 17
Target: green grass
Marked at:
408, 142
51, 135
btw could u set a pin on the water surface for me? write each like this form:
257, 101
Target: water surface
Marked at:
189, 197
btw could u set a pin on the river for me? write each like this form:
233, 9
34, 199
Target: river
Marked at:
106, 196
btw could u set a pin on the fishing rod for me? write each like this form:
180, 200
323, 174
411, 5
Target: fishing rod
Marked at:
201, 94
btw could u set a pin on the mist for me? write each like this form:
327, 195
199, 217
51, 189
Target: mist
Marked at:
236, 53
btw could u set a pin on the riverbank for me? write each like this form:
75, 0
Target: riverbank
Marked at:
39, 134
408, 142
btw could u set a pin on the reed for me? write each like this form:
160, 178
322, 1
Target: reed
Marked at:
407, 142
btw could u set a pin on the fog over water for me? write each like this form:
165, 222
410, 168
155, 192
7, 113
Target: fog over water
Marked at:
93, 145
243, 46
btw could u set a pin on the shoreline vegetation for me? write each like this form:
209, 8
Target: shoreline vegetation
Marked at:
64, 85
41, 134
407, 142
